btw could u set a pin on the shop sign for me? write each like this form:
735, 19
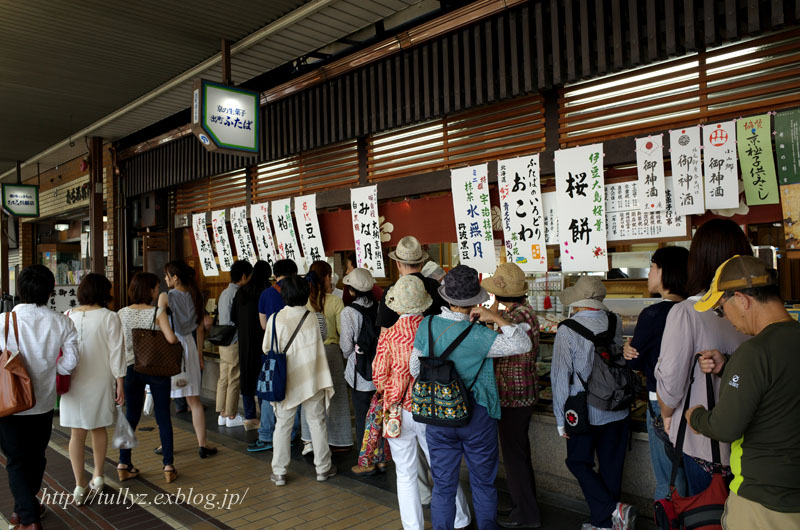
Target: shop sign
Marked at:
206, 255
305, 211
64, 298
21, 200
77, 194
221, 241
787, 145
754, 140
650, 168
225, 118
581, 208
241, 235
627, 223
285, 234
684, 147
259, 215
522, 212
550, 205
473, 216
719, 162
366, 230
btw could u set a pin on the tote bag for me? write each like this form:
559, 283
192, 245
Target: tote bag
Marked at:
271, 385
16, 387
153, 355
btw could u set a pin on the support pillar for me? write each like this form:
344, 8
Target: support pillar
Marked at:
96, 203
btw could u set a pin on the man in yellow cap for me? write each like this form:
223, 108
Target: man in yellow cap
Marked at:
759, 402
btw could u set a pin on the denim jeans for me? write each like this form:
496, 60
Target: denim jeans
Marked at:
135, 394
268, 422
662, 466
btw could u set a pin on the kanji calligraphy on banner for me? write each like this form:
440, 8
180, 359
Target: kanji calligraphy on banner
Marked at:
259, 215
473, 216
787, 145
305, 211
220, 229
684, 145
626, 223
581, 208
241, 235
366, 229
522, 212
650, 168
754, 140
550, 207
285, 234
207, 262
719, 162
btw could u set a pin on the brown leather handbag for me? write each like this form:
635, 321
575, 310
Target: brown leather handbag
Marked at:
16, 387
153, 355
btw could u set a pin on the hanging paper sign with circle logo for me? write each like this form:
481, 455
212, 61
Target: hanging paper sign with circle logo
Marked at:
650, 166
225, 118
719, 161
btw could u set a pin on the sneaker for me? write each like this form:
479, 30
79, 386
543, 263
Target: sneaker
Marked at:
307, 448
259, 445
279, 480
238, 421
322, 477
623, 517
221, 420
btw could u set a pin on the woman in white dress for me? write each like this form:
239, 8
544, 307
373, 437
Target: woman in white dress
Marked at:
96, 383
184, 305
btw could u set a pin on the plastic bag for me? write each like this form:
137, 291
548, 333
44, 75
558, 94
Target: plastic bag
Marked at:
124, 437
148, 401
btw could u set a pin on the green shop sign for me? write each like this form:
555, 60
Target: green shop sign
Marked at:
21, 200
224, 118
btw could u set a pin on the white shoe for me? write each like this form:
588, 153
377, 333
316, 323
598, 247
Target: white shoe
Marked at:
222, 420
307, 448
78, 495
238, 421
97, 484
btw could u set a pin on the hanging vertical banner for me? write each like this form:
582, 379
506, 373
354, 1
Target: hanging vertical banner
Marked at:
684, 145
473, 217
305, 211
787, 145
650, 167
754, 140
719, 162
550, 207
241, 235
366, 229
522, 210
631, 223
581, 208
259, 215
622, 197
206, 255
285, 234
221, 240
790, 204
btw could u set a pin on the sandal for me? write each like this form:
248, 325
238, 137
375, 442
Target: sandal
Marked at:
170, 474
125, 473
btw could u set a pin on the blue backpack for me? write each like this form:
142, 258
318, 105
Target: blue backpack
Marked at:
271, 384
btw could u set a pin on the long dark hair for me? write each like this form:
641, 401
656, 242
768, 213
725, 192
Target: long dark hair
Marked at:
258, 281
186, 275
714, 243
673, 262
318, 271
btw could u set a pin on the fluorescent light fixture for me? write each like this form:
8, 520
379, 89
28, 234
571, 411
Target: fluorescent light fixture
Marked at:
61, 227
105, 218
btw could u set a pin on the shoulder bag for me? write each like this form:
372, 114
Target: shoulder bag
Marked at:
16, 387
62, 381
271, 385
153, 355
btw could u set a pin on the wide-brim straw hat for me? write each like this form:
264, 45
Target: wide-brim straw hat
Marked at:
409, 251
408, 296
508, 281
463, 288
359, 279
588, 291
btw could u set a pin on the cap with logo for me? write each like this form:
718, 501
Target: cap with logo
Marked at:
739, 272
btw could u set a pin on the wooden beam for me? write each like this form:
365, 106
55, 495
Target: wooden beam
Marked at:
226, 62
96, 204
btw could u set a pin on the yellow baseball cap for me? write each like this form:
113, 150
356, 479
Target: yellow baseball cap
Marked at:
739, 272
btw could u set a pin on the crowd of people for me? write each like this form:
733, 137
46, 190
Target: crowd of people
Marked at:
372, 347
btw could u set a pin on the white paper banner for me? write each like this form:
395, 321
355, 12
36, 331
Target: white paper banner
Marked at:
206, 255
650, 167
684, 146
241, 235
632, 223
473, 215
259, 215
366, 229
550, 205
305, 211
221, 241
581, 208
522, 212
720, 164
285, 234
622, 197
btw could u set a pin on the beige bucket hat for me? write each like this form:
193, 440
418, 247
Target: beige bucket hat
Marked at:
408, 296
409, 251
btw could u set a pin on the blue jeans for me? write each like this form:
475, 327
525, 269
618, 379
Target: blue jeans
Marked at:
662, 465
134, 394
697, 479
268, 422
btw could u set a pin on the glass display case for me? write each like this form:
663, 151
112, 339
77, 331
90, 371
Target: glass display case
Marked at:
65, 262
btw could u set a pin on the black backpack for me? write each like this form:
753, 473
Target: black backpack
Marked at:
367, 340
611, 385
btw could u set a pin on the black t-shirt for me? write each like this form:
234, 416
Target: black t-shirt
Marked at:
387, 317
647, 340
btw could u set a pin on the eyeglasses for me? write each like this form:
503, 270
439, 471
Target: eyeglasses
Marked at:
720, 309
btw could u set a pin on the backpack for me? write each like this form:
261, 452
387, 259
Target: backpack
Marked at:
367, 340
439, 396
611, 385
